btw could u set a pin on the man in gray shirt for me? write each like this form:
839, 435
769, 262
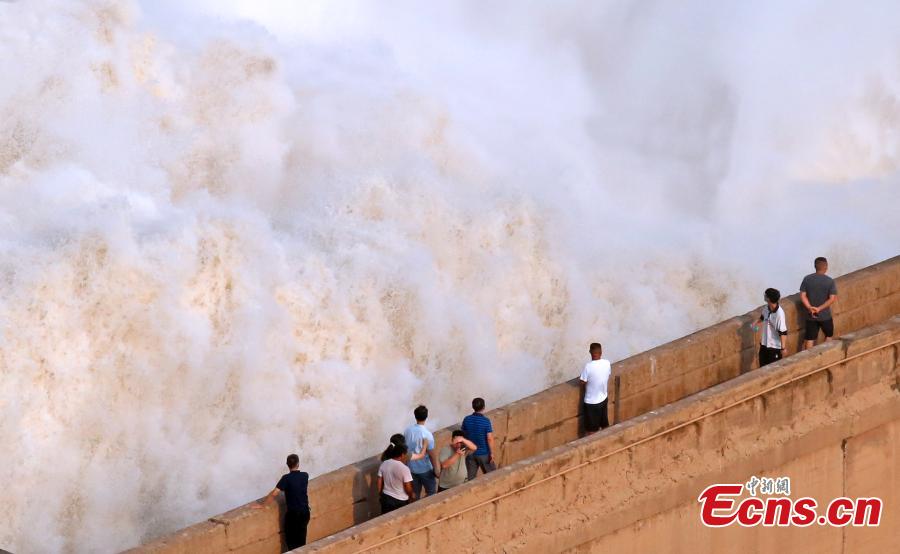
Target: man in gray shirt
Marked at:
818, 292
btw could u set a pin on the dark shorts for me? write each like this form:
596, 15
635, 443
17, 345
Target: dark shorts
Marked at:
295, 523
813, 326
595, 416
427, 480
389, 503
474, 462
768, 355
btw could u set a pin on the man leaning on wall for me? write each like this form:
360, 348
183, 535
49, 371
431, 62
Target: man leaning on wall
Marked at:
293, 485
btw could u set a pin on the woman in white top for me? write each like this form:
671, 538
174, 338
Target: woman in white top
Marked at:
394, 478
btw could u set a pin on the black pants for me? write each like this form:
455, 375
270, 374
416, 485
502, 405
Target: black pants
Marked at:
295, 523
768, 355
389, 503
596, 416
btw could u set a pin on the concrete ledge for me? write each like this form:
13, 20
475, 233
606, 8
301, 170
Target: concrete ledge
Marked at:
672, 454
649, 381
247, 525
202, 538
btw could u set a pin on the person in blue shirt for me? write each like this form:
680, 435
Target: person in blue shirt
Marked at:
426, 470
479, 430
296, 500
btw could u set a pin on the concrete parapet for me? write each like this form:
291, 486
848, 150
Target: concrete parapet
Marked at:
622, 486
647, 382
202, 538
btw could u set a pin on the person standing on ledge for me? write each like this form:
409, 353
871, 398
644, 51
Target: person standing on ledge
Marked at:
594, 382
453, 461
818, 292
772, 342
398, 438
296, 516
477, 428
424, 471
395, 487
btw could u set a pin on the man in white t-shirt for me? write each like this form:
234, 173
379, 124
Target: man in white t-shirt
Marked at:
772, 343
594, 381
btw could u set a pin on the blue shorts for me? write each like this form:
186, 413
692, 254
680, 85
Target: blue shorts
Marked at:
427, 480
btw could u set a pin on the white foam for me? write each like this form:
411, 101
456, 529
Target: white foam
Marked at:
231, 232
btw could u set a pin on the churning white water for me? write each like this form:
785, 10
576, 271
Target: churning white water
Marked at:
240, 229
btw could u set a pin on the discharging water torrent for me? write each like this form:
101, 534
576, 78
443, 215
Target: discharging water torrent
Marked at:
234, 230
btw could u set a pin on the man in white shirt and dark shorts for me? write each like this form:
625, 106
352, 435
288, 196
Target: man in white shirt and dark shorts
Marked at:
774, 324
594, 382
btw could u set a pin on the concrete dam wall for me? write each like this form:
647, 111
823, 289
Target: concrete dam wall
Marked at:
828, 418
637, 482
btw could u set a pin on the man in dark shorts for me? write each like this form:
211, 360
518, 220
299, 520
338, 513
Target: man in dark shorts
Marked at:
818, 292
594, 380
478, 428
296, 516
